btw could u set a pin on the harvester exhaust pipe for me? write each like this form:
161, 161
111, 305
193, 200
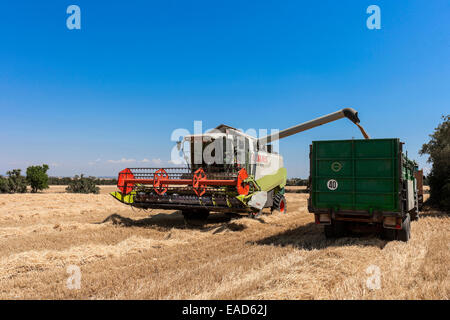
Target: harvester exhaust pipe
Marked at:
349, 113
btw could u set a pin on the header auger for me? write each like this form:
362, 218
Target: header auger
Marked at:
245, 177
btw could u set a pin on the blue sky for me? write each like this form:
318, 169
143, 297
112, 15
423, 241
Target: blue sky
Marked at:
81, 100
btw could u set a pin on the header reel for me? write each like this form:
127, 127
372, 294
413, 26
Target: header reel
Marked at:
164, 179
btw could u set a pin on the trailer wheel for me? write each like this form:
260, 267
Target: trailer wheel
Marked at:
389, 234
328, 230
405, 233
279, 203
339, 228
334, 230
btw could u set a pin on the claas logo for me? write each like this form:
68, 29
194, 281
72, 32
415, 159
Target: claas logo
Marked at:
262, 158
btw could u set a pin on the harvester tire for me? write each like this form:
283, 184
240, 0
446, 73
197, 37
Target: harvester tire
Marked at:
279, 203
197, 214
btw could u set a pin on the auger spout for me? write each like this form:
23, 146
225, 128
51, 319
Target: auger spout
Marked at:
349, 113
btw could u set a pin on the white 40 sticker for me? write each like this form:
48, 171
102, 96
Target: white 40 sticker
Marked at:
332, 184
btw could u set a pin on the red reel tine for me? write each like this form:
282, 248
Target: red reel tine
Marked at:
199, 189
159, 187
125, 174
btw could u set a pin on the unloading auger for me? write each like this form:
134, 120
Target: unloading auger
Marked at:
248, 177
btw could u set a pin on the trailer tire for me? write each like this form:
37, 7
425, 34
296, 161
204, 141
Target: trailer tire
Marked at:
279, 203
405, 233
334, 230
328, 230
389, 234
339, 228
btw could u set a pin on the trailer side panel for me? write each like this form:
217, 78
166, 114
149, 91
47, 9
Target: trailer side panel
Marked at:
355, 175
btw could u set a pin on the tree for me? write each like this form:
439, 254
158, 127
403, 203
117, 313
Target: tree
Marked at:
37, 177
438, 149
4, 185
83, 185
16, 182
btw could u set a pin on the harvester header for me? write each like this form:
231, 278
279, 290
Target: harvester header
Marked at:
164, 178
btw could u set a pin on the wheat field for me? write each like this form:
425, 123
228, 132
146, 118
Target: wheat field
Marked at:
126, 254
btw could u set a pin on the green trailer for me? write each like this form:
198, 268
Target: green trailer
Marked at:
357, 184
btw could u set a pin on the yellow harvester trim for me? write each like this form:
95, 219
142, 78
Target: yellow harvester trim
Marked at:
125, 198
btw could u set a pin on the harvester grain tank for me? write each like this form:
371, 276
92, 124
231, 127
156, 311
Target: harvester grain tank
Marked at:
361, 183
245, 177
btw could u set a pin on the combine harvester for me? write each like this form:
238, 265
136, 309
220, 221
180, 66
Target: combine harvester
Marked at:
248, 177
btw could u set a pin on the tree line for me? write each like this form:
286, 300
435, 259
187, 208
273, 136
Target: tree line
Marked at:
62, 181
296, 182
36, 177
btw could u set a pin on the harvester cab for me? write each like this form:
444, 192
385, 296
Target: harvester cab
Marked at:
227, 171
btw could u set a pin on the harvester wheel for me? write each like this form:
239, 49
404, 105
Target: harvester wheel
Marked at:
279, 203
195, 214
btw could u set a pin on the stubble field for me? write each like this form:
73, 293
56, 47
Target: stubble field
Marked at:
126, 254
